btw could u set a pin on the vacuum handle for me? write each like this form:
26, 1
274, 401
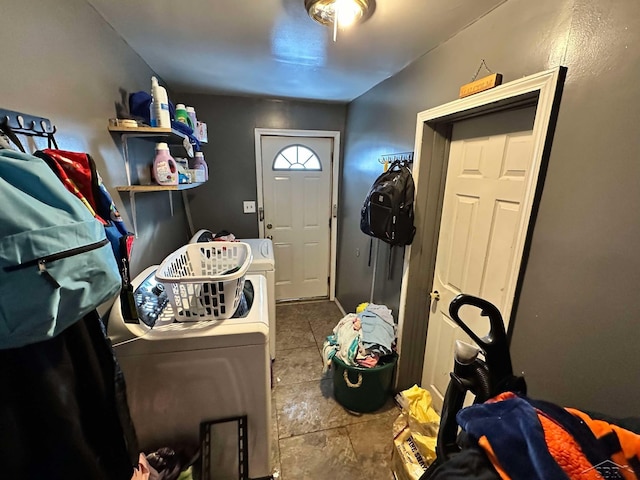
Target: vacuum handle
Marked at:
494, 345
487, 309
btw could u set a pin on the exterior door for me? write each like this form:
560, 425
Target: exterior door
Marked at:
490, 159
296, 176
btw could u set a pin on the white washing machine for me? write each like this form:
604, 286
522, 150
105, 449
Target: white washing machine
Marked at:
263, 263
181, 374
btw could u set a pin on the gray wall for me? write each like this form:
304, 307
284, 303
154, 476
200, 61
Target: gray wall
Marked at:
62, 61
577, 330
576, 327
230, 153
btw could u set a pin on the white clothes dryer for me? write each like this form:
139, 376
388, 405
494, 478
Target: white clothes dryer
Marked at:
181, 374
263, 263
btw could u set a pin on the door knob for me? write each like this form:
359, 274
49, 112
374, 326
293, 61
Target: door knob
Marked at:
435, 295
269, 226
270, 237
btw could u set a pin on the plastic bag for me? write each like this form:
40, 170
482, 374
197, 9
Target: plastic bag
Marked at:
423, 420
415, 433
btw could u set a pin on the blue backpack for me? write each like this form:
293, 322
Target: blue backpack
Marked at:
56, 264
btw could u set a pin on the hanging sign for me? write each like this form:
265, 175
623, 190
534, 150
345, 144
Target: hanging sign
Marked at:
481, 85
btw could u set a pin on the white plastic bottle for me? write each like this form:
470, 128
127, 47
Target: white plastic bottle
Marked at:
200, 164
159, 105
165, 169
194, 121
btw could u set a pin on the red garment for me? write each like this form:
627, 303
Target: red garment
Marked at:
74, 170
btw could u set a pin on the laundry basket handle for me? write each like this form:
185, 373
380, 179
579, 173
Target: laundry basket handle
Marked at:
358, 384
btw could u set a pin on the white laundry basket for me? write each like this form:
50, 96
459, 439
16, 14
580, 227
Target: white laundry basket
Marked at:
204, 281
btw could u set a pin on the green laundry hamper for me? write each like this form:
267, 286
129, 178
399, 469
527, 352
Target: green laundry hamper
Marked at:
362, 389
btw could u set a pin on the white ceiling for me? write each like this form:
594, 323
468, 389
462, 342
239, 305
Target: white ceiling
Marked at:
272, 48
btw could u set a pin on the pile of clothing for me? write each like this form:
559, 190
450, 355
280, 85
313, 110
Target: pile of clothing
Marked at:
538, 440
167, 464
362, 339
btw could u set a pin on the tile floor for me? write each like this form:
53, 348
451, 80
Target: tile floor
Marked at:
314, 438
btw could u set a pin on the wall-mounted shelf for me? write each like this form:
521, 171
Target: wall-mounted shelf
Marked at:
157, 188
153, 134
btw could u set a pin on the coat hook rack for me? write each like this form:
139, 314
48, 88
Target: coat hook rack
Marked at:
406, 157
17, 123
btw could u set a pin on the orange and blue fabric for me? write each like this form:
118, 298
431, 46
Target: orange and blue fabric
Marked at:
531, 439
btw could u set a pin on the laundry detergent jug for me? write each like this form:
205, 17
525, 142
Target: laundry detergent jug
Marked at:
165, 169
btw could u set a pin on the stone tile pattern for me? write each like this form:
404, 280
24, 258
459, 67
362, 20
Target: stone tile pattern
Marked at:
314, 437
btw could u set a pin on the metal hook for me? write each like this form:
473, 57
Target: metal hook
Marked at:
44, 127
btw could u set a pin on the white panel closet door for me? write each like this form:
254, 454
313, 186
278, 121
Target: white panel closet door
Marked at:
489, 162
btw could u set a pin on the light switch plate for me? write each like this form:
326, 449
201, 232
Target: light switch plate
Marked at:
249, 206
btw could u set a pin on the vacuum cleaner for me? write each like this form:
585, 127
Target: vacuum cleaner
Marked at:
483, 377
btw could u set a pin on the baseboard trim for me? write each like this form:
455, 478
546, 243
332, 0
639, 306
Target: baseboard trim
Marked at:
339, 305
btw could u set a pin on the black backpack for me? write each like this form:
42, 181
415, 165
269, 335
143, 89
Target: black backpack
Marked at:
387, 213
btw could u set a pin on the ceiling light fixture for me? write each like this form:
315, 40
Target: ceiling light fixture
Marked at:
339, 13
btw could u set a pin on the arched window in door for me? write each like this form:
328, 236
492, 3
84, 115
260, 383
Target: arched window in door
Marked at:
296, 157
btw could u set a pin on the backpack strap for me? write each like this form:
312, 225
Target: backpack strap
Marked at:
8, 131
395, 164
51, 141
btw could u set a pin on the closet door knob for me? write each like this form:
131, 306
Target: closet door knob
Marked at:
269, 226
435, 295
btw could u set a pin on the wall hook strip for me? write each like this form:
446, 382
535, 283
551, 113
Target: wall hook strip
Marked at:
392, 157
26, 124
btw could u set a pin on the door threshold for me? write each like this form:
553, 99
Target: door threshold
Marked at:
302, 300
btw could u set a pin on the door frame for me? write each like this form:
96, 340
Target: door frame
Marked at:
433, 136
335, 183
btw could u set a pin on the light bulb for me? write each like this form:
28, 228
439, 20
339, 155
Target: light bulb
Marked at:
346, 12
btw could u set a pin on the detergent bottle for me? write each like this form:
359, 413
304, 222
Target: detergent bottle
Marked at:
192, 115
159, 113
200, 164
182, 115
165, 169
